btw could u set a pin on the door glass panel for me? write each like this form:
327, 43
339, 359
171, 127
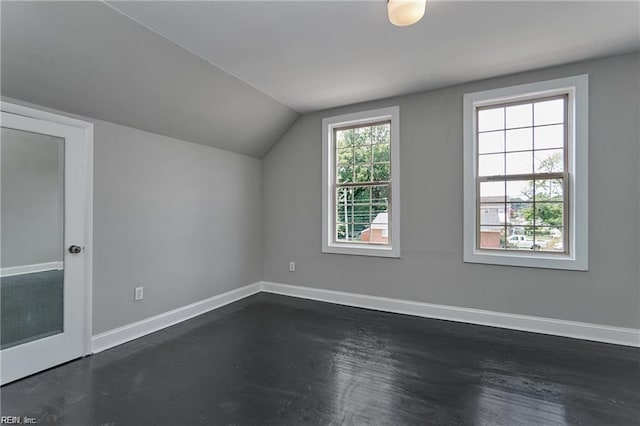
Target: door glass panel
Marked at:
32, 218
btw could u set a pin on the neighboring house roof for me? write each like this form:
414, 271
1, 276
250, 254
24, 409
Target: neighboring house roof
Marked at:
492, 199
381, 221
491, 215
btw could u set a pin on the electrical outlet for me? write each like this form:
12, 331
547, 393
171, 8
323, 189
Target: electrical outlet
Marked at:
139, 293
292, 266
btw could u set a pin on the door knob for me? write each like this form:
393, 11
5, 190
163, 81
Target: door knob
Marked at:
75, 249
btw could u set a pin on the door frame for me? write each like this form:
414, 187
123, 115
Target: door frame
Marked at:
87, 129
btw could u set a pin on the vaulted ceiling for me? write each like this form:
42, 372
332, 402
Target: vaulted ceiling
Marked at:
235, 75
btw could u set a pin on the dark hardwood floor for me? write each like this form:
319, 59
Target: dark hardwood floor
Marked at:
274, 360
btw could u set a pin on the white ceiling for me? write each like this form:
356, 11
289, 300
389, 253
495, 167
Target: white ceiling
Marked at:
313, 55
235, 74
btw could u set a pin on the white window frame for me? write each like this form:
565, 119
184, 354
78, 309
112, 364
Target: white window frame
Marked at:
329, 245
577, 90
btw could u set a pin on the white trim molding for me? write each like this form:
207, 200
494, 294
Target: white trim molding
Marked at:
576, 89
86, 175
329, 245
129, 332
556, 327
31, 269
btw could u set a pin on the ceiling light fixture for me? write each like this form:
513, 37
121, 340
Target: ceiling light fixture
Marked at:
405, 12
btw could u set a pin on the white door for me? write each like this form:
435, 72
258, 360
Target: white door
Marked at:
43, 270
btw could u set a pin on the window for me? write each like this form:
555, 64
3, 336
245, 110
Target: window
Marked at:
361, 206
526, 176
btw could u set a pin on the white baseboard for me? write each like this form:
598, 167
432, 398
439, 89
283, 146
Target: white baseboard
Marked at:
557, 327
129, 332
30, 269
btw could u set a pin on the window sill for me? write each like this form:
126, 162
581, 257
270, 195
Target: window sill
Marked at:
359, 250
526, 260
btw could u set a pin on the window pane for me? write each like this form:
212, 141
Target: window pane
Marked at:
378, 231
380, 220
492, 237
490, 119
381, 133
549, 214
519, 242
353, 211
491, 142
550, 238
345, 156
362, 135
364, 235
341, 200
520, 214
361, 181
361, 194
380, 195
520, 139
381, 172
378, 208
519, 163
357, 229
361, 218
549, 190
344, 138
491, 165
520, 190
347, 195
492, 191
549, 137
549, 161
381, 153
519, 116
344, 174
518, 230
362, 155
362, 173
523, 191
549, 112
492, 214
520, 238
343, 205
361, 214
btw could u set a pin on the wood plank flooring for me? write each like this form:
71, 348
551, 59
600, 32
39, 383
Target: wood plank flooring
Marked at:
275, 360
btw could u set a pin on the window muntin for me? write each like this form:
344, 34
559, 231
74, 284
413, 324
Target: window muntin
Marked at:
522, 180
559, 189
362, 183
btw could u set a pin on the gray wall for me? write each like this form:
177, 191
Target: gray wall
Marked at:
181, 219
31, 198
431, 267
188, 222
